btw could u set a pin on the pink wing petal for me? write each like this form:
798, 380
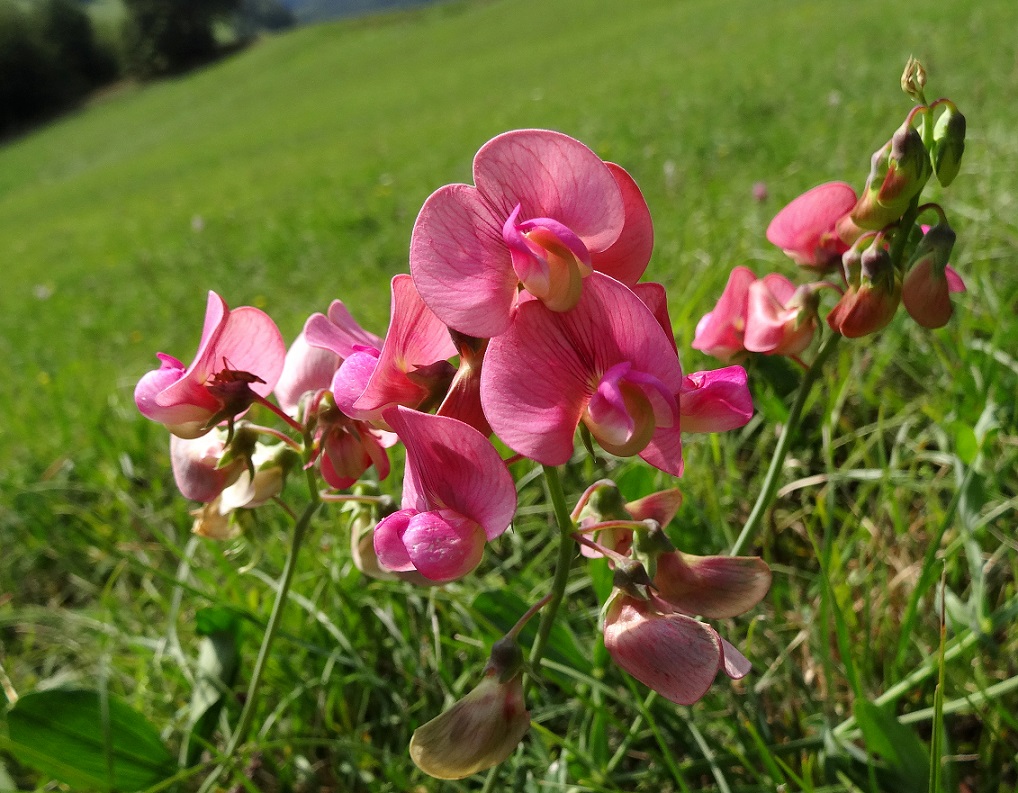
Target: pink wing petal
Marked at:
555, 176
627, 258
673, 654
459, 263
954, 282
416, 339
443, 545
450, 465
194, 464
388, 540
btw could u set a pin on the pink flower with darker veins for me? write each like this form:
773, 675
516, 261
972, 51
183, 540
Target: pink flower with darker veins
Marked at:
239, 360
546, 211
457, 495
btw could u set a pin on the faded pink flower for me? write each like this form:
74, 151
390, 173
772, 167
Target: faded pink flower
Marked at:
239, 360
457, 495
672, 653
545, 212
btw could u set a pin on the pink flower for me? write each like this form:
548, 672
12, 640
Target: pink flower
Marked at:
720, 332
546, 211
457, 494
239, 360
779, 317
807, 229
196, 465
672, 653
311, 364
349, 447
607, 363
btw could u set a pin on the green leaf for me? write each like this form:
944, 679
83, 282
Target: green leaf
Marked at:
87, 740
218, 662
965, 443
897, 745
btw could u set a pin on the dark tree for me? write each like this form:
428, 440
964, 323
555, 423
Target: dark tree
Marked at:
169, 36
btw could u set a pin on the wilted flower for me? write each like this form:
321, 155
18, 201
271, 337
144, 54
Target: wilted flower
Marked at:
480, 730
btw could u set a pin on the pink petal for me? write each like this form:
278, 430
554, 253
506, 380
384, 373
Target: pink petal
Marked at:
733, 663
720, 332
306, 368
711, 586
416, 339
656, 299
194, 463
661, 506
443, 545
673, 654
339, 332
388, 541
451, 465
664, 451
954, 282
715, 401
351, 379
537, 415
552, 175
799, 228
627, 258
459, 263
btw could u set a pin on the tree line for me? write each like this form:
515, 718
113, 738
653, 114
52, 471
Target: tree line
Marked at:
52, 55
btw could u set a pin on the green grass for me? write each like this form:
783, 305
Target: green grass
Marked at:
291, 174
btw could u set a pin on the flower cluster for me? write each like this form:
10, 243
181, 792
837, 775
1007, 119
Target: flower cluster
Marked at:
525, 320
884, 255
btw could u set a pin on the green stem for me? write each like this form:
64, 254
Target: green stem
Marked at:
300, 530
566, 549
770, 484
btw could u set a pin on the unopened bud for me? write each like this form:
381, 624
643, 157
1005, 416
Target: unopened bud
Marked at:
870, 302
926, 290
898, 172
913, 79
948, 144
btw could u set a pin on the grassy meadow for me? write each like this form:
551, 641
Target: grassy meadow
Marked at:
291, 174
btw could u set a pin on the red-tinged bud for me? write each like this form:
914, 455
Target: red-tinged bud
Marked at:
926, 291
948, 144
480, 730
898, 172
872, 297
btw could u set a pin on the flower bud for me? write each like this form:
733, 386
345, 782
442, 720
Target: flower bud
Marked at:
948, 144
898, 172
483, 728
927, 287
873, 294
